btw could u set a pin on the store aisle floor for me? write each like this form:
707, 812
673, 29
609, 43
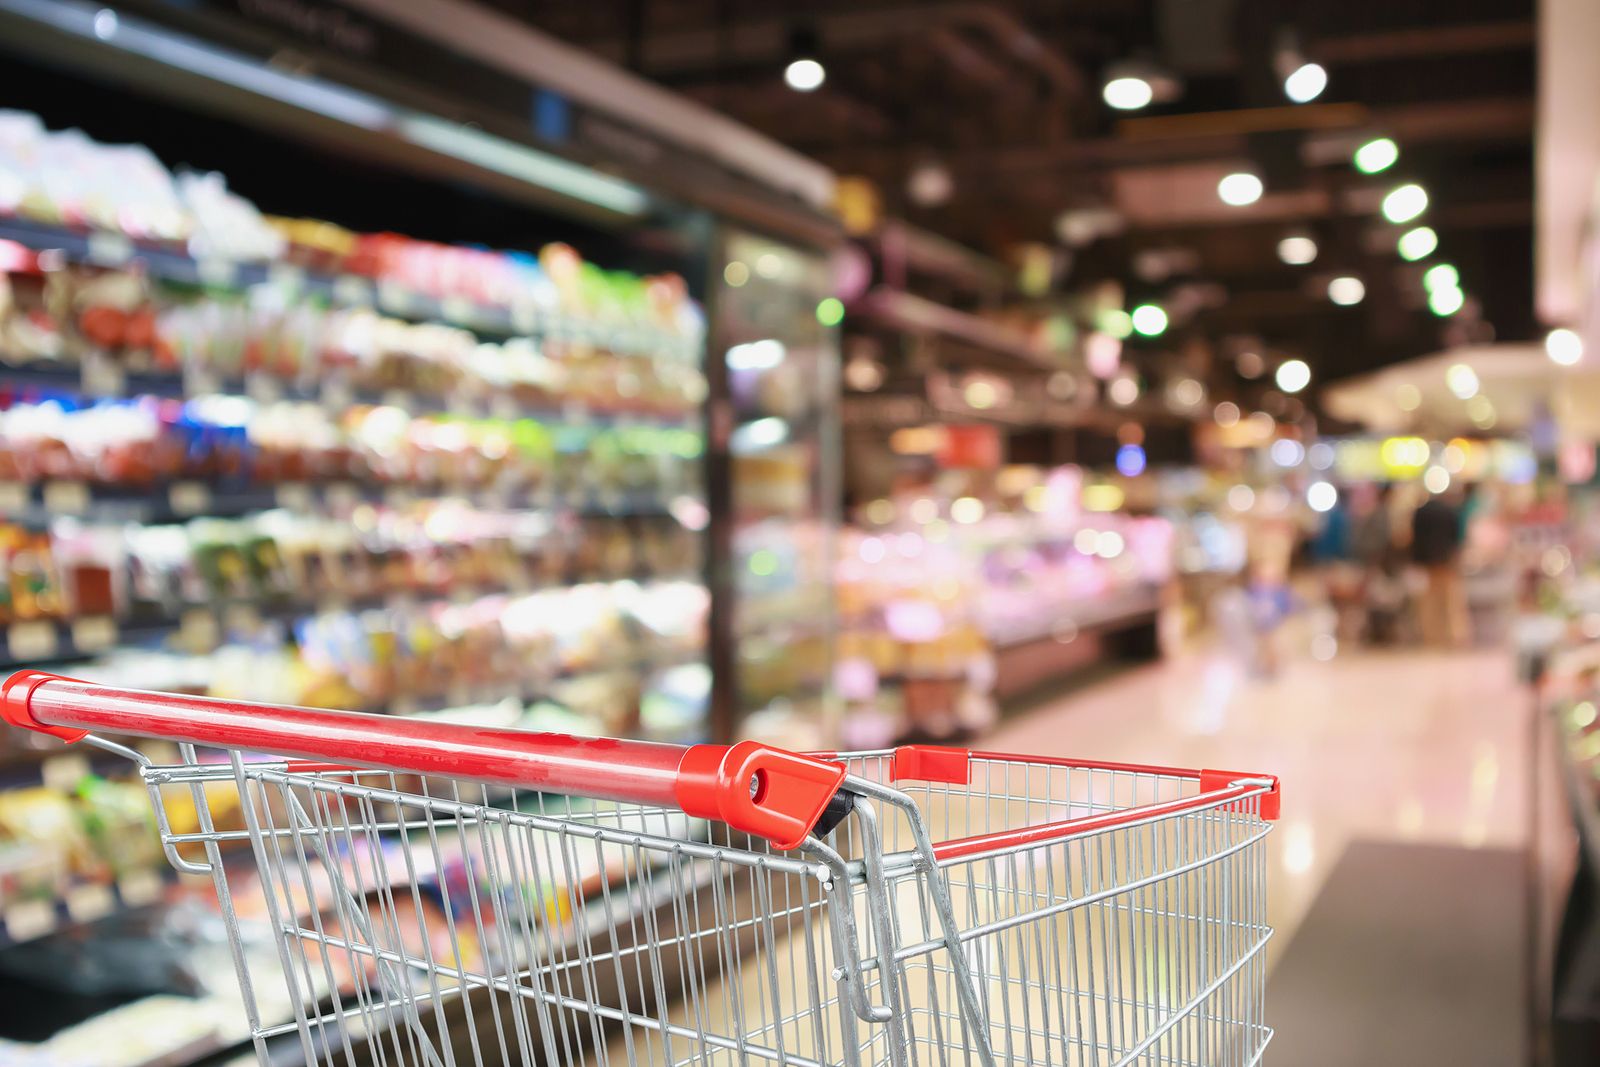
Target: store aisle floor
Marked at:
1403, 746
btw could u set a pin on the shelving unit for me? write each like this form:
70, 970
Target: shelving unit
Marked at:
573, 595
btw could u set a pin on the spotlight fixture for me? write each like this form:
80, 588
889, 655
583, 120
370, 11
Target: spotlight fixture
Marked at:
1446, 300
1239, 189
1417, 243
1346, 290
1441, 276
805, 73
1303, 80
1297, 250
1563, 346
1128, 93
1149, 320
1293, 375
1305, 83
1376, 155
1405, 202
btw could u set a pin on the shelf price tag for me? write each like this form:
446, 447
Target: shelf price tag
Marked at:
263, 388
13, 497
198, 630
287, 277
396, 298
223, 273
189, 498
102, 376
32, 640
350, 289
109, 249
86, 903
296, 496
66, 498
336, 395
28, 919
139, 888
94, 633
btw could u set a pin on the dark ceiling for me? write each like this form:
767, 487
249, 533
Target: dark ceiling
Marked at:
1005, 96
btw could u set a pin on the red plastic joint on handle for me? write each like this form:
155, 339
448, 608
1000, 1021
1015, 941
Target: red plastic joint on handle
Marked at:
774, 794
16, 698
932, 763
1271, 802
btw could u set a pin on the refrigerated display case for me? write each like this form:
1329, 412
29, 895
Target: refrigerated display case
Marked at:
774, 326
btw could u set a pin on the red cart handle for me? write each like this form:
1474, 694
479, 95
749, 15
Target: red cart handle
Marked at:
764, 791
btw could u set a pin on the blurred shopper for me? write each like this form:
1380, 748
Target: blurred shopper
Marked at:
1376, 551
1436, 538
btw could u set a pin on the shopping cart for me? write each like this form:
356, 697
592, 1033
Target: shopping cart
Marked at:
400, 891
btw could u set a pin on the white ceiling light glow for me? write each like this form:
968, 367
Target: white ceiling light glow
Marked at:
1297, 250
1239, 189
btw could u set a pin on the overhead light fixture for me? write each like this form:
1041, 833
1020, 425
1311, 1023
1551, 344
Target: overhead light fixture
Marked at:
930, 184
1149, 320
1305, 83
1123, 391
1297, 250
1128, 93
1346, 290
1293, 375
1441, 276
1378, 154
1405, 202
1226, 413
804, 73
1239, 189
1563, 346
1417, 243
1446, 300
1462, 380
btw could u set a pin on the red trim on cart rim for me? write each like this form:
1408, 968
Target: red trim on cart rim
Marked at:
763, 791
1024, 836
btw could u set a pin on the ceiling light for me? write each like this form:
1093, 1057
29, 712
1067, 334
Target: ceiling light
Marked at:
1322, 496
1346, 290
1376, 155
1293, 375
1239, 189
1441, 276
1250, 364
1188, 392
1417, 243
804, 75
1405, 202
1446, 300
930, 184
1128, 93
1226, 413
1115, 322
1563, 346
1149, 319
1462, 381
1297, 250
1305, 83
1123, 391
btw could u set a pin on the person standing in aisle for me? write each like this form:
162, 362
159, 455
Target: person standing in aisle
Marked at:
1436, 548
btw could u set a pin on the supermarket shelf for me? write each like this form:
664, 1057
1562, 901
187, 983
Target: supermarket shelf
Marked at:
1123, 609
104, 379
178, 501
42, 641
174, 264
27, 920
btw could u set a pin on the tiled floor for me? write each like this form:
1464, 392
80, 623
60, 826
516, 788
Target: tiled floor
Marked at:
1399, 746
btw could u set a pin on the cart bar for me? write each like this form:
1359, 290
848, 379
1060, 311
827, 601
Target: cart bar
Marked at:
768, 792
1265, 786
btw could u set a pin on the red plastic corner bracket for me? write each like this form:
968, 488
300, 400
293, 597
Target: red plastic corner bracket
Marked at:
764, 791
16, 697
932, 763
1211, 781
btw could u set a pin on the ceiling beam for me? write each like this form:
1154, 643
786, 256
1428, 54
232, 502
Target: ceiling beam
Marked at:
1426, 42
